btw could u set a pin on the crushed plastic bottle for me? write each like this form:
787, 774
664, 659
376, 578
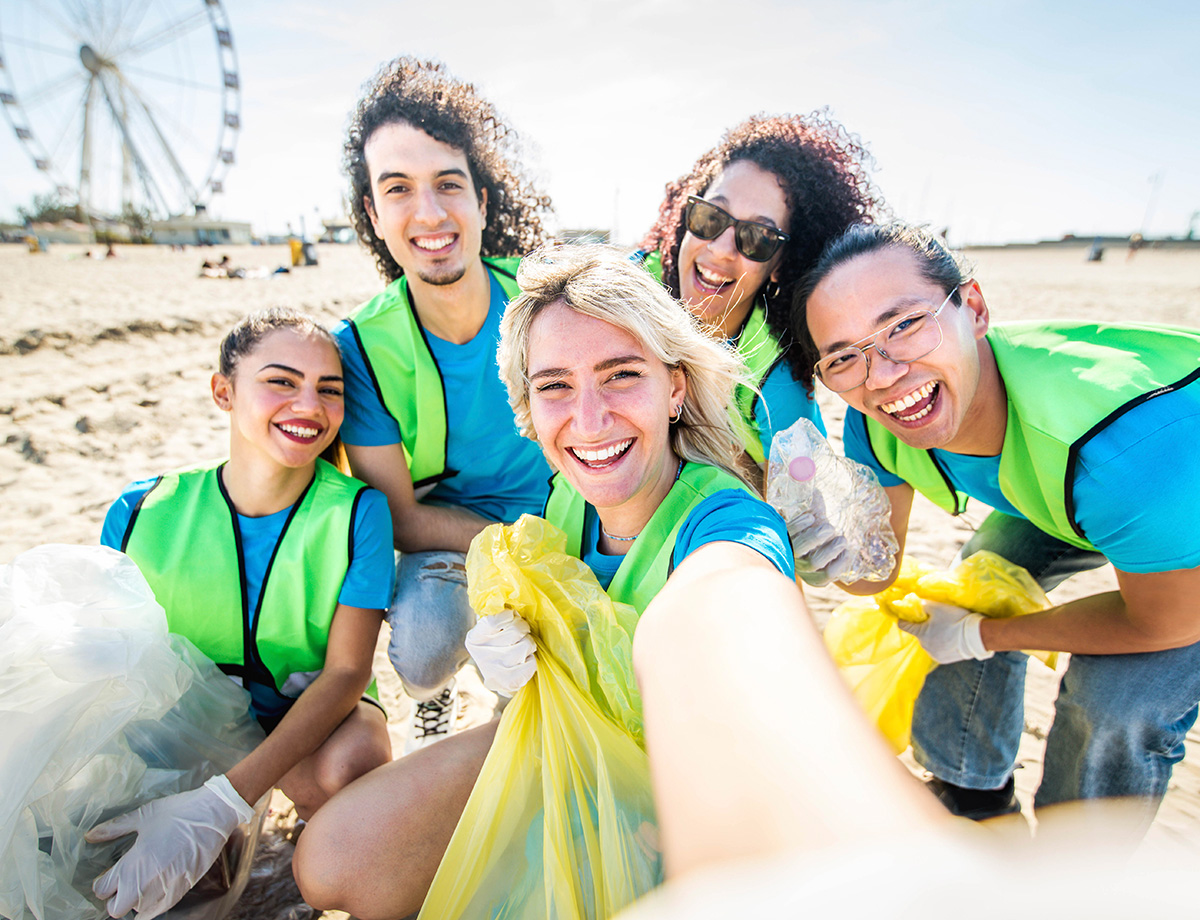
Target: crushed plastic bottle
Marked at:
838, 516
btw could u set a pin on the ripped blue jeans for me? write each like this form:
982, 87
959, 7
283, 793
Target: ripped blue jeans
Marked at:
429, 616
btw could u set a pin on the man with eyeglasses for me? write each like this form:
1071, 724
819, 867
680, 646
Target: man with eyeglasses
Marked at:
1081, 437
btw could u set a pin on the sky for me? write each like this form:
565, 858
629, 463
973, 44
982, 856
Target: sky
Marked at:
1001, 120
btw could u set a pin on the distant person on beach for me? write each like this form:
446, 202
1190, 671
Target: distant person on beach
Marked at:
437, 196
736, 233
275, 547
1136, 242
628, 398
1078, 435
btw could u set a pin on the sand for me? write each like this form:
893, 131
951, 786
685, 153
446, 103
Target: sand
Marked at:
106, 367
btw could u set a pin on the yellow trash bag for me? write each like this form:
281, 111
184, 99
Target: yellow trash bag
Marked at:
884, 666
561, 821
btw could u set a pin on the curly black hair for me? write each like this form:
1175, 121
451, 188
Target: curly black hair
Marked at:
822, 169
425, 95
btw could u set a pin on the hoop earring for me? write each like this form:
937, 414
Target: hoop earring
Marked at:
771, 291
672, 419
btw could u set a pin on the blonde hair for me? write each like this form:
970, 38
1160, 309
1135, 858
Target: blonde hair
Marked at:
604, 283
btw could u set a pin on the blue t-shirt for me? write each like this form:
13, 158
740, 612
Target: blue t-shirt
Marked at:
729, 515
501, 475
1137, 483
784, 401
368, 583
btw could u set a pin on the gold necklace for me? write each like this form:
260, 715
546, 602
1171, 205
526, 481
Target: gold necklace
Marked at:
613, 536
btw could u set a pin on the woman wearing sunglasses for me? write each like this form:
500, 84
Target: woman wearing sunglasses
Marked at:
736, 233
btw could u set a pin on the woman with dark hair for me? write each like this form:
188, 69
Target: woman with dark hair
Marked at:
278, 567
784, 186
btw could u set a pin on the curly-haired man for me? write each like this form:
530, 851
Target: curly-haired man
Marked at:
438, 198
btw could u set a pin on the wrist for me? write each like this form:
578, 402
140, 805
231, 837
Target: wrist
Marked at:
976, 645
222, 788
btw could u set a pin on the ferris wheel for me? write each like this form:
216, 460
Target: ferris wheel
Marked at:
126, 106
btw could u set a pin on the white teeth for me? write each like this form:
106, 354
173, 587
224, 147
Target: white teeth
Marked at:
301, 432
596, 456
713, 279
911, 400
440, 242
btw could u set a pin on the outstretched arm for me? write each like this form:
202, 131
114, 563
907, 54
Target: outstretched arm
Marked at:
724, 641
1151, 612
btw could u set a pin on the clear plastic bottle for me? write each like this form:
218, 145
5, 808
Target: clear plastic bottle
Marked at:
838, 516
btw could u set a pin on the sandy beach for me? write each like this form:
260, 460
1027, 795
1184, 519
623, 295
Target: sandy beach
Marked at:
107, 363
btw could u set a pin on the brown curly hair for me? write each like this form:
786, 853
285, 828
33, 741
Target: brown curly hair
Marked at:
822, 169
425, 95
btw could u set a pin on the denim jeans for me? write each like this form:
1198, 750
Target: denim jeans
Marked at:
429, 616
1120, 720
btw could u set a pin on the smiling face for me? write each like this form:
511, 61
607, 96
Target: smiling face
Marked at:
950, 398
716, 281
600, 404
285, 399
423, 203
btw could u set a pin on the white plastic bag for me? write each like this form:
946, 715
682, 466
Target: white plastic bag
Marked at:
100, 710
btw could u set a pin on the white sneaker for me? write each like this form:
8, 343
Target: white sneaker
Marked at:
433, 719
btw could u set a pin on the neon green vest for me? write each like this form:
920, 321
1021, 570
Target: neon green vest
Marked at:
183, 536
759, 350
645, 568
405, 373
1066, 383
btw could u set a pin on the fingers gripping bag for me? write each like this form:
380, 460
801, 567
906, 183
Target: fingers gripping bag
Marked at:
884, 666
561, 821
102, 710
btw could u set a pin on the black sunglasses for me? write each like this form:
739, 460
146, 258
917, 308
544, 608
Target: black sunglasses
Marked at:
755, 241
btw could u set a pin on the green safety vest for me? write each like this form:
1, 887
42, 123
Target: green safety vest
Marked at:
646, 566
405, 373
1066, 383
183, 536
759, 350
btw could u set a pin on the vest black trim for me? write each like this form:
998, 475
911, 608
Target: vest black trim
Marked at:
350, 532
447, 472
133, 515
1081, 442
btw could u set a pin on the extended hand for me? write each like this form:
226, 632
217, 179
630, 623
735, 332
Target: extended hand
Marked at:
822, 554
179, 837
503, 651
950, 634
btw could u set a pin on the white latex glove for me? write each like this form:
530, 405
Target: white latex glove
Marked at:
503, 651
822, 554
179, 837
950, 634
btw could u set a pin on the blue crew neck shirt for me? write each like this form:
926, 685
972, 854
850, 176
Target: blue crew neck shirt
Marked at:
729, 515
501, 475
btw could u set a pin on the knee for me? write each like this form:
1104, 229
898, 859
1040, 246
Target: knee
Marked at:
344, 763
426, 667
319, 867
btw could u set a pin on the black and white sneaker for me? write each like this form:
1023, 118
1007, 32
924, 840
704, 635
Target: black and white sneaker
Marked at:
433, 719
